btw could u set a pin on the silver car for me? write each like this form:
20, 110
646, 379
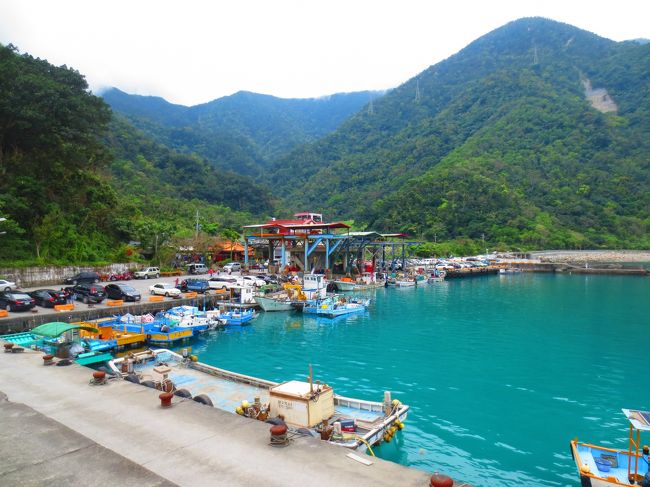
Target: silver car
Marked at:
7, 285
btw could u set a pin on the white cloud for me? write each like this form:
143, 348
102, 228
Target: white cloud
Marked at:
194, 51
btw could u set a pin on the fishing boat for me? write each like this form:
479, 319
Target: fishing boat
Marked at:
600, 466
335, 306
345, 284
436, 276
233, 317
405, 282
279, 303
63, 341
306, 407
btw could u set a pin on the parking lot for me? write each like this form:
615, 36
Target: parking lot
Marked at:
142, 285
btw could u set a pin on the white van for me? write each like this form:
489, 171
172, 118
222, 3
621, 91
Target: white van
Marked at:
197, 269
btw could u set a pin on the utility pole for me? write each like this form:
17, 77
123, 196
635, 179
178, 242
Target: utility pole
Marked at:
196, 235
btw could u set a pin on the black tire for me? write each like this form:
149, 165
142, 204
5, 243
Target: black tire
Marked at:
146, 276
95, 281
157, 276
85, 299
132, 378
166, 295
7, 289
8, 307
148, 383
203, 399
183, 393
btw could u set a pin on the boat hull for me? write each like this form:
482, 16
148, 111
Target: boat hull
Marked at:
270, 304
589, 462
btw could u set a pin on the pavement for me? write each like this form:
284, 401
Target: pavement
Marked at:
57, 429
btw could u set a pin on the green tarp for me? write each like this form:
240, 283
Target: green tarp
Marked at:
57, 328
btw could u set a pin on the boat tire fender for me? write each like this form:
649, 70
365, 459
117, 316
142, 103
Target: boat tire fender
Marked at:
183, 393
148, 383
132, 378
585, 481
203, 399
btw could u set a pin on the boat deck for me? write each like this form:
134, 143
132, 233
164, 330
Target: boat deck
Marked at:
225, 394
617, 463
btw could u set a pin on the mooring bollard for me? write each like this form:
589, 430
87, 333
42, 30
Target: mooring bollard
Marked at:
99, 377
48, 359
279, 435
166, 399
8, 347
440, 480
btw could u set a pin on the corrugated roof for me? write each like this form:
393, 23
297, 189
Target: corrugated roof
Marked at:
57, 328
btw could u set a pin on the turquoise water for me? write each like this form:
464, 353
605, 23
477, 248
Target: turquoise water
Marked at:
500, 371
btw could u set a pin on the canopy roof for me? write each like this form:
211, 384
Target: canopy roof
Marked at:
639, 419
57, 328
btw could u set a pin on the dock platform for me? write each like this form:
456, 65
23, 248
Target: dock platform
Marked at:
187, 444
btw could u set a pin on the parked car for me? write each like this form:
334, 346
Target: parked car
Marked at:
83, 277
16, 301
254, 281
164, 289
7, 285
232, 267
197, 269
89, 293
119, 290
223, 282
196, 285
48, 298
153, 272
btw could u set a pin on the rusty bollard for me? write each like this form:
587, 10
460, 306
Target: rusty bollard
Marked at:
48, 359
440, 480
165, 399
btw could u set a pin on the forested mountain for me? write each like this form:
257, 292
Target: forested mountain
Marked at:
77, 184
537, 134
241, 132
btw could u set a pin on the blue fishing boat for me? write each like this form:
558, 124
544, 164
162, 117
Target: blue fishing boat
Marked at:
335, 306
599, 466
235, 316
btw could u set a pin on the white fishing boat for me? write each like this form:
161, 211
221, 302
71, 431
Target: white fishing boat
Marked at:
268, 303
405, 282
600, 466
337, 305
306, 407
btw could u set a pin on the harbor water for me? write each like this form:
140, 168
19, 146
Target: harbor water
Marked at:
501, 372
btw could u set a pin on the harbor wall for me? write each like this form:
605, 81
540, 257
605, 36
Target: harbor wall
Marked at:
54, 275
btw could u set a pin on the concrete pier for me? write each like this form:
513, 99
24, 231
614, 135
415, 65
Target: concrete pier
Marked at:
121, 428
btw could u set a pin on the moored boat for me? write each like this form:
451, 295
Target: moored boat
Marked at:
335, 306
306, 407
600, 466
268, 303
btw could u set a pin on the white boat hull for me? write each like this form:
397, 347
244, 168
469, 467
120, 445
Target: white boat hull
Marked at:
270, 304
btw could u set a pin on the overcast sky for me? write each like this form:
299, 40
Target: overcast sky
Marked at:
191, 51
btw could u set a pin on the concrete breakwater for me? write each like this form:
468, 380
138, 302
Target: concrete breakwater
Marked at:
185, 444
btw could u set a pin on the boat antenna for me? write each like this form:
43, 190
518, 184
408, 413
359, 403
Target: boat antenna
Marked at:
311, 382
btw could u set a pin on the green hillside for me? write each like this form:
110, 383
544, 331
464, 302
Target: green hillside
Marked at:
497, 142
241, 132
78, 184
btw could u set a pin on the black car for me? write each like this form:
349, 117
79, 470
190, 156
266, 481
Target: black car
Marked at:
48, 298
119, 290
89, 293
83, 277
15, 301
